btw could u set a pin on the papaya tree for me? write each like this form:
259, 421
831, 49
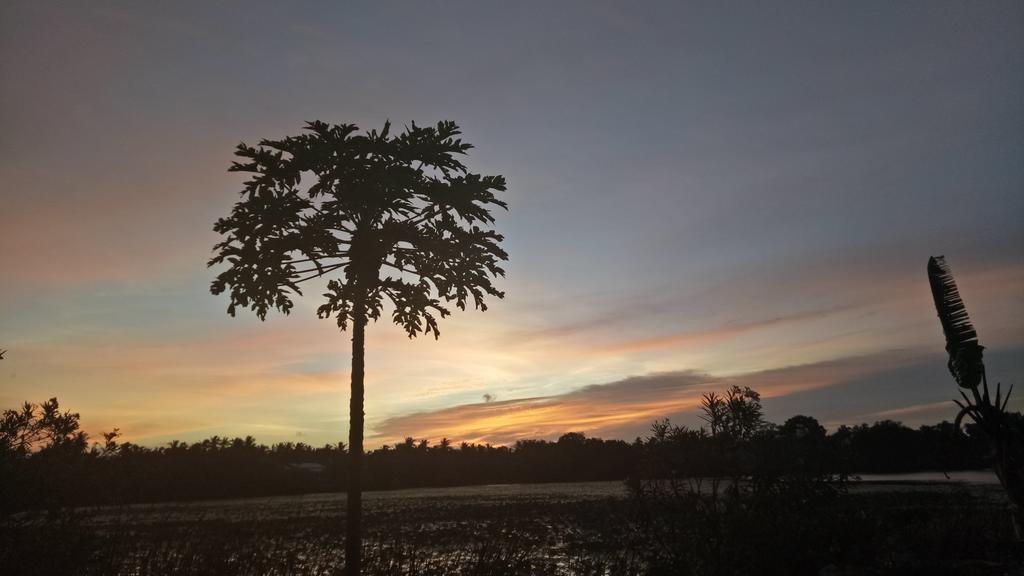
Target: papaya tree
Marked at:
394, 223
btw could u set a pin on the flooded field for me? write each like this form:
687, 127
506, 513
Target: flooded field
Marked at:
559, 529
552, 528
495, 501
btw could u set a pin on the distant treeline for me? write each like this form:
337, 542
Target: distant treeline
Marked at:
46, 461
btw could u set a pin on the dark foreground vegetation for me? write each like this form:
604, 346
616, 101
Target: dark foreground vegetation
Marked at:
739, 496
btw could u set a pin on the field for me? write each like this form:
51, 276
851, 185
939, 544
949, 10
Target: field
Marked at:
481, 530
560, 529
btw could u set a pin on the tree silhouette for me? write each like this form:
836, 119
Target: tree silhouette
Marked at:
738, 414
392, 219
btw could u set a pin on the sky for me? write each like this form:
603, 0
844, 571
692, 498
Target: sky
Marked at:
701, 195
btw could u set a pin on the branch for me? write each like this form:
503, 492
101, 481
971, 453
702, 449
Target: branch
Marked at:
318, 258
425, 214
320, 269
317, 275
400, 268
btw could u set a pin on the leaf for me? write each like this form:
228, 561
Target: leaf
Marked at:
965, 354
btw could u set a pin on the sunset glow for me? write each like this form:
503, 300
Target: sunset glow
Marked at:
681, 220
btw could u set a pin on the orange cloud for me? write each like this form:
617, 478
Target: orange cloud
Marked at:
504, 422
618, 408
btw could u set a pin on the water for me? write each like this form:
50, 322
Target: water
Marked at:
329, 504
971, 477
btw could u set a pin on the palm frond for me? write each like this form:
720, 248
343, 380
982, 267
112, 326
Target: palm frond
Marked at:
965, 354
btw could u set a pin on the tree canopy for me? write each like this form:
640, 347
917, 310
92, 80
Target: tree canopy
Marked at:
398, 218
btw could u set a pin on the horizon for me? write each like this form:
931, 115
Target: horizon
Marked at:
696, 200
456, 443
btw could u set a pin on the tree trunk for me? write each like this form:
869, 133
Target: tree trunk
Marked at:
354, 507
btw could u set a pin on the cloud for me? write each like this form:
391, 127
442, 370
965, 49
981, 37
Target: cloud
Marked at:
709, 336
941, 407
772, 314
625, 407
591, 409
847, 390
